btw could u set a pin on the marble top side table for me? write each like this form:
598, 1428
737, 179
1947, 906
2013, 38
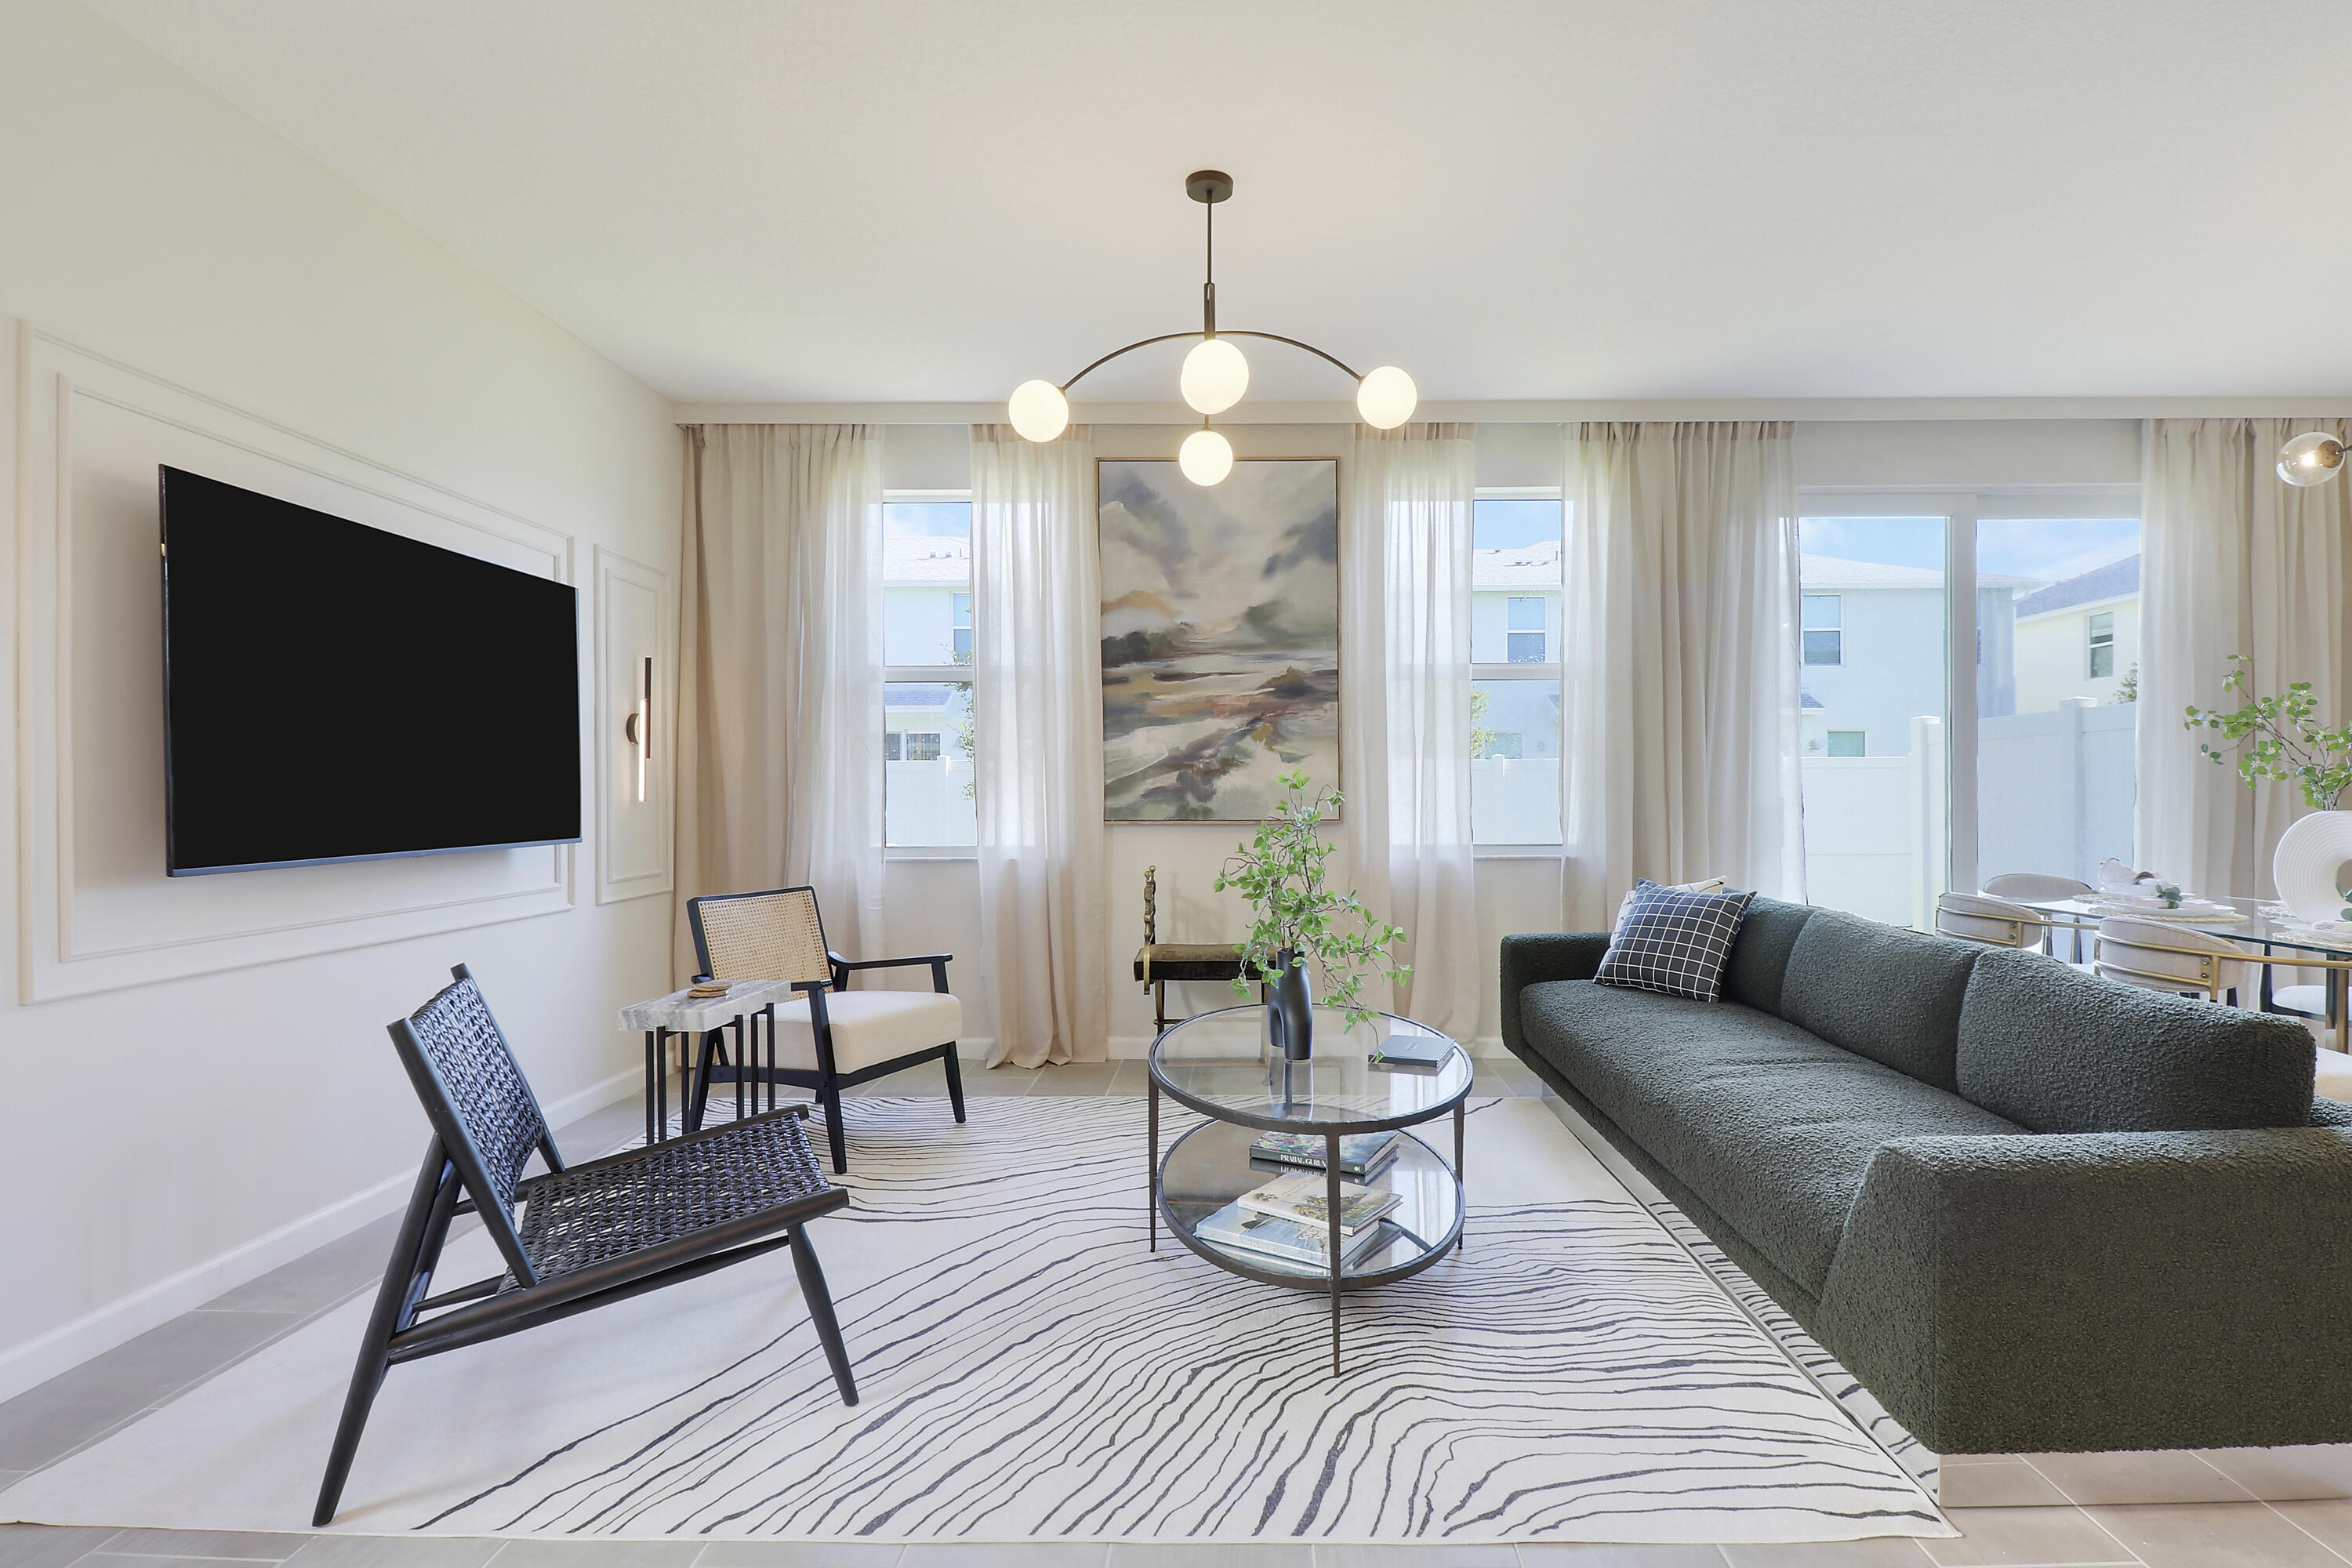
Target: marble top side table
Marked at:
687, 1016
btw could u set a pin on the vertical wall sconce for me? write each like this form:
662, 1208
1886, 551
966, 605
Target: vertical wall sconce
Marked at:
639, 727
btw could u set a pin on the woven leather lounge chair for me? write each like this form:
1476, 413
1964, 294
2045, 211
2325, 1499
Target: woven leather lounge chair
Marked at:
831, 1038
588, 1235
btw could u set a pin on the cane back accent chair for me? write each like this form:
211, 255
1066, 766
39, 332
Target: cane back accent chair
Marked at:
588, 1235
831, 1038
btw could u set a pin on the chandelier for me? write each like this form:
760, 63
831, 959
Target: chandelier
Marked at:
1216, 372
2311, 458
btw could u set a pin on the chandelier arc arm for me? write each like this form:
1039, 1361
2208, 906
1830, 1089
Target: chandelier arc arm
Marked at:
1228, 332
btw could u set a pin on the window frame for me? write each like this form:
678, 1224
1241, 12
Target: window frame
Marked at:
2095, 644
923, 675
1548, 669
1806, 631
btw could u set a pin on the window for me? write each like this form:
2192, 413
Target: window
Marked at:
1872, 814
1523, 621
2056, 770
1824, 628
1515, 589
928, 793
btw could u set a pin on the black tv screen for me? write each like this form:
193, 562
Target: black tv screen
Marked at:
335, 692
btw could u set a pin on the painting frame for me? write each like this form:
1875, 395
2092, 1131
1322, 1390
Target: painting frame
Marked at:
1288, 506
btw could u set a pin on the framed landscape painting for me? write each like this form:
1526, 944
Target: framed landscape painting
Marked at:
1220, 636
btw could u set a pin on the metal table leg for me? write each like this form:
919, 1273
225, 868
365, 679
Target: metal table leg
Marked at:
1332, 1192
653, 1072
743, 1070
1151, 1154
1462, 1194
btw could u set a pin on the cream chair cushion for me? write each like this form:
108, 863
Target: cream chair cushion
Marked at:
2148, 953
2331, 1075
1977, 917
868, 1027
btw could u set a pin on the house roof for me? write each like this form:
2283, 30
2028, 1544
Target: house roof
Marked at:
2115, 580
1533, 566
913, 560
1836, 573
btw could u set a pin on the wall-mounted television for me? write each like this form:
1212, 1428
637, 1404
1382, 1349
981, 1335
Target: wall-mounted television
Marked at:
335, 692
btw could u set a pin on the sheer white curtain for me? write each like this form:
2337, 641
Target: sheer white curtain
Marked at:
1404, 659
780, 680
1679, 690
2237, 562
1037, 670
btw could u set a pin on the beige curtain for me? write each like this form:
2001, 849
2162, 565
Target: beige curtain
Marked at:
1037, 672
1404, 649
1679, 690
2237, 562
780, 689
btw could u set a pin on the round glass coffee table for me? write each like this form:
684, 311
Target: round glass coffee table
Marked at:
1220, 1065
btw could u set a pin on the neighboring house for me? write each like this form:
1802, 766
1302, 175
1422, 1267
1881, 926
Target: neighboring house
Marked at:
926, 620
1873, 653
1515, 619
2079, 637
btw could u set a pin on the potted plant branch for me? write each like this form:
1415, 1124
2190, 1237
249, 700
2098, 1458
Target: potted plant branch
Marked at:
2280, 739
1299, 916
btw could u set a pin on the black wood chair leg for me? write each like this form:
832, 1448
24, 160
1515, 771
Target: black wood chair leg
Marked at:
366, 1380
819, 1310
955, 1081
829, 1096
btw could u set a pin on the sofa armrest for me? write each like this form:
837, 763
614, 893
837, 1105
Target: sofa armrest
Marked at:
2102, 1291
1552, 955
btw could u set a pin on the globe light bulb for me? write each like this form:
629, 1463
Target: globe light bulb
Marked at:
1215, 375
1038, 410
1206, 456
2312, 457
1386, 397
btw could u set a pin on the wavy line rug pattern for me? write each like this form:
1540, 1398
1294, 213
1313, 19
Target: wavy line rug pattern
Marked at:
1030, 1370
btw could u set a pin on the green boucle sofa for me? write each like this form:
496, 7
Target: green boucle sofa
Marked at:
2031, 1210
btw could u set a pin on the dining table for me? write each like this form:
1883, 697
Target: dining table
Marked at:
2259, 923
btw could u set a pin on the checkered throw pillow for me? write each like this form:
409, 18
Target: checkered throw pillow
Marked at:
1673, 942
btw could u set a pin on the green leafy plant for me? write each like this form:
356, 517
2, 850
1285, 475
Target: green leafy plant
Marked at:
2278, 738
1281, 873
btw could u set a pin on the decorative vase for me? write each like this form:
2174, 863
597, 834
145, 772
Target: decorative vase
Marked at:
1290, 1010
2313, 865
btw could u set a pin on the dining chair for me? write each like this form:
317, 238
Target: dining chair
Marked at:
831, 1038
1973, 917
586, 1235
2159, 956
2037, 885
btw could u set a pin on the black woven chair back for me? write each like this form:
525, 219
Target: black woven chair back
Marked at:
481, 1109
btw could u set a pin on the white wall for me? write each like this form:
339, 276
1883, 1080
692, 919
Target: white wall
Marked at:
169, 1139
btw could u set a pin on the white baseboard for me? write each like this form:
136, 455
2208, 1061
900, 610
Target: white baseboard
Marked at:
125, 1318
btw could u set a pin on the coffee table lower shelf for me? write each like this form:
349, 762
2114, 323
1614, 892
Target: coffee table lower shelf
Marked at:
1210, 1166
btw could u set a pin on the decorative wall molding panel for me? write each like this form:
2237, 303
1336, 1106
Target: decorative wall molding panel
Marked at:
637, 620
98, 912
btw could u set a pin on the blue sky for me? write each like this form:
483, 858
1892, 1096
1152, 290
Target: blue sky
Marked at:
926, 519
2047, 552
1507, 524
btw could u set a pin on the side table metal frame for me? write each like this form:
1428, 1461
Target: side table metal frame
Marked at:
746, 1051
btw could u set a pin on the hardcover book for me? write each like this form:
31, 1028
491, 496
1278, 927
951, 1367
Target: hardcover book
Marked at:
1304, 1199
1359, 1152
1247, 1230
1412, 1051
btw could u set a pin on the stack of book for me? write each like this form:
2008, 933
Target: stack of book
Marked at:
1289, 1220
1361, 1155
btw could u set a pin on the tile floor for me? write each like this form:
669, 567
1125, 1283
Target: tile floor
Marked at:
2216, 1524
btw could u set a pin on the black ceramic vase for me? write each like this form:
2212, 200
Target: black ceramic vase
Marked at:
1290, 1010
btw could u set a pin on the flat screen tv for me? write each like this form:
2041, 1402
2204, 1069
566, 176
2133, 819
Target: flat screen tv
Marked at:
335, 692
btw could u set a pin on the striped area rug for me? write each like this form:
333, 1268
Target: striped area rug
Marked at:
1031, 1370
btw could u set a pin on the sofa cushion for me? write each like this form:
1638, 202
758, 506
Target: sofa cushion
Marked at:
1769, 1126
1760, 959
1674, 941
2061, 1051
1882, 992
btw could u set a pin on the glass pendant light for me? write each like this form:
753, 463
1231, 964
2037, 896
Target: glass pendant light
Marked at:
1386, 397
1215, 377
1038, 410
1206, 456
2311, 458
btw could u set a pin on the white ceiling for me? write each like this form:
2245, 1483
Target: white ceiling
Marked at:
918, 200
